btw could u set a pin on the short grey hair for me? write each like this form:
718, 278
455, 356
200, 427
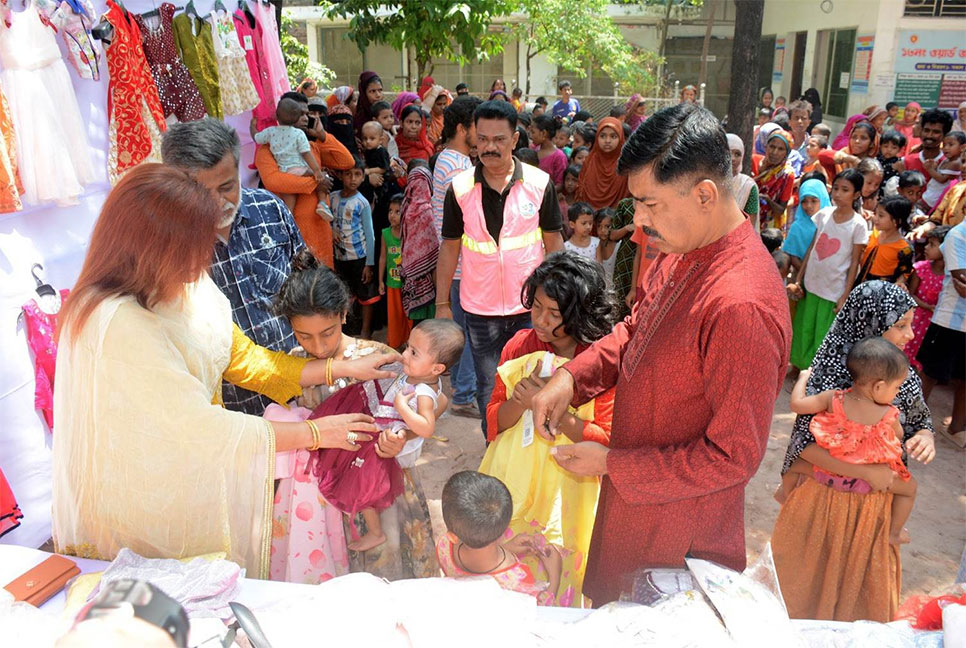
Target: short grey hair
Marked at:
200, 144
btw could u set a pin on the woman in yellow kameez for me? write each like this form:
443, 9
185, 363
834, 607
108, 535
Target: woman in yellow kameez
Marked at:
570, 309
145, 457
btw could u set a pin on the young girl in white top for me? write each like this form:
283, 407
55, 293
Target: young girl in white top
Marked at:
581, 217
829, 267
607, 249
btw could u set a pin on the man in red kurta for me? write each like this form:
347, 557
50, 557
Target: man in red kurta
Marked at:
697, 366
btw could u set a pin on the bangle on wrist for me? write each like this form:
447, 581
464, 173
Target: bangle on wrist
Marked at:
316, 435
442, 303
328, 372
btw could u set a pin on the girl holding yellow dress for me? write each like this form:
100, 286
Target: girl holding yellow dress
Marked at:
571, 309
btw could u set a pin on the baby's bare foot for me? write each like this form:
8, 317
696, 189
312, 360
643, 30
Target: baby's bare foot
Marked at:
367, 542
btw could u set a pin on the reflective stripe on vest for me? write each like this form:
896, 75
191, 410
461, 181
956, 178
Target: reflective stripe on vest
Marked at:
507, 244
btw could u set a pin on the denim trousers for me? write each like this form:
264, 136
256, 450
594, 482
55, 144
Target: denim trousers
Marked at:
487, 336
462, 375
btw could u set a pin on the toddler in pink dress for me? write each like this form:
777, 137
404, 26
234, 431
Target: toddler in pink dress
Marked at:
925, 285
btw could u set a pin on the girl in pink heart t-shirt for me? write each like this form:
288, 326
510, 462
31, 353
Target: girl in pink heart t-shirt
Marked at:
829, 267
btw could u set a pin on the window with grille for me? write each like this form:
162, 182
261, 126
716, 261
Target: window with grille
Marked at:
935, 8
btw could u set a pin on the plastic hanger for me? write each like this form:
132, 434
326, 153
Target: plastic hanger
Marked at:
43, 289
48, 299
154, 12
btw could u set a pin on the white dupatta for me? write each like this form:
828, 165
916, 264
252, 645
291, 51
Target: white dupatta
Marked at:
142, 458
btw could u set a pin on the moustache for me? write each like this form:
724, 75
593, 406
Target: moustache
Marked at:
650, 232
490, 155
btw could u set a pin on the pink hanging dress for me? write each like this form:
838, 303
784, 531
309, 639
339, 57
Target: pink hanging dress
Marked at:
272, 58
250, 37
41, 331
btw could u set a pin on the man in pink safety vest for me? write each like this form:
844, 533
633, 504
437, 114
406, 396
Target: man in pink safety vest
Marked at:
501, 218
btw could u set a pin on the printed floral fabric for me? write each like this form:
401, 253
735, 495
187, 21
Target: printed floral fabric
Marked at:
517, 577
42, 340
238, 94
10, 185
75, 29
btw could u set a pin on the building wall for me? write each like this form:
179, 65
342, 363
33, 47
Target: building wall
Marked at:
883, 18
640, 26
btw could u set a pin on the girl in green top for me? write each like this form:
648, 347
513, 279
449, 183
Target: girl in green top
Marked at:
390, 283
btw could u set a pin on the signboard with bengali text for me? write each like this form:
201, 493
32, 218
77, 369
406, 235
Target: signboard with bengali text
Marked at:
930, 50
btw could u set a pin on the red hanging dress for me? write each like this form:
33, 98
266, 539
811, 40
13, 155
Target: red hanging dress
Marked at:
135, 115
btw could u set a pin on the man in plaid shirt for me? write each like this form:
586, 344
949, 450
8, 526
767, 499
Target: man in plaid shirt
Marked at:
256, 240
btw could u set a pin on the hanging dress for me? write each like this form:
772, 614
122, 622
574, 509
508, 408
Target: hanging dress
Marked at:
237, 90
250, 39
46, 117
10, 185
134, 112
42, 340
9, 511
272, 57
74, 19
176, 89
195, 43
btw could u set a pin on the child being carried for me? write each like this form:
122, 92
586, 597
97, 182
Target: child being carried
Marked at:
363, 481
860, 425
291, 149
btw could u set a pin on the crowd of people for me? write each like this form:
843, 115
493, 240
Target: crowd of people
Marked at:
582, 279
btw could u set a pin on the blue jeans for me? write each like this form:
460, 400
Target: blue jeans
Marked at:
462, 375
487, 336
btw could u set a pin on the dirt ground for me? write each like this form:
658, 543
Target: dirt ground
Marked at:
937, 524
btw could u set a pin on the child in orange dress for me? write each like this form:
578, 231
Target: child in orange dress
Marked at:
860, 425
477, 510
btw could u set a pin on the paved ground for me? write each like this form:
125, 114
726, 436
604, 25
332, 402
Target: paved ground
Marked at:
937, 525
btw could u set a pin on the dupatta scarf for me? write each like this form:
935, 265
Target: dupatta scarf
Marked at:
599, 183
420, 247
410, 149
771, 181
210, 470
742, 184
364, 107
869, 311
633, 120
907, 127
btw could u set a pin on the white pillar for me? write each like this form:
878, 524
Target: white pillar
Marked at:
312, 42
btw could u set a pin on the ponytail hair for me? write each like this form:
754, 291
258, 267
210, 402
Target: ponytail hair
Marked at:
311, 289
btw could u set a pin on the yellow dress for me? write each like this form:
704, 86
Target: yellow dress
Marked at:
546, 498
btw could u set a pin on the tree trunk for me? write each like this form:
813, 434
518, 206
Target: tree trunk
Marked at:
529, 58
703, 75
664, 30
744, 66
